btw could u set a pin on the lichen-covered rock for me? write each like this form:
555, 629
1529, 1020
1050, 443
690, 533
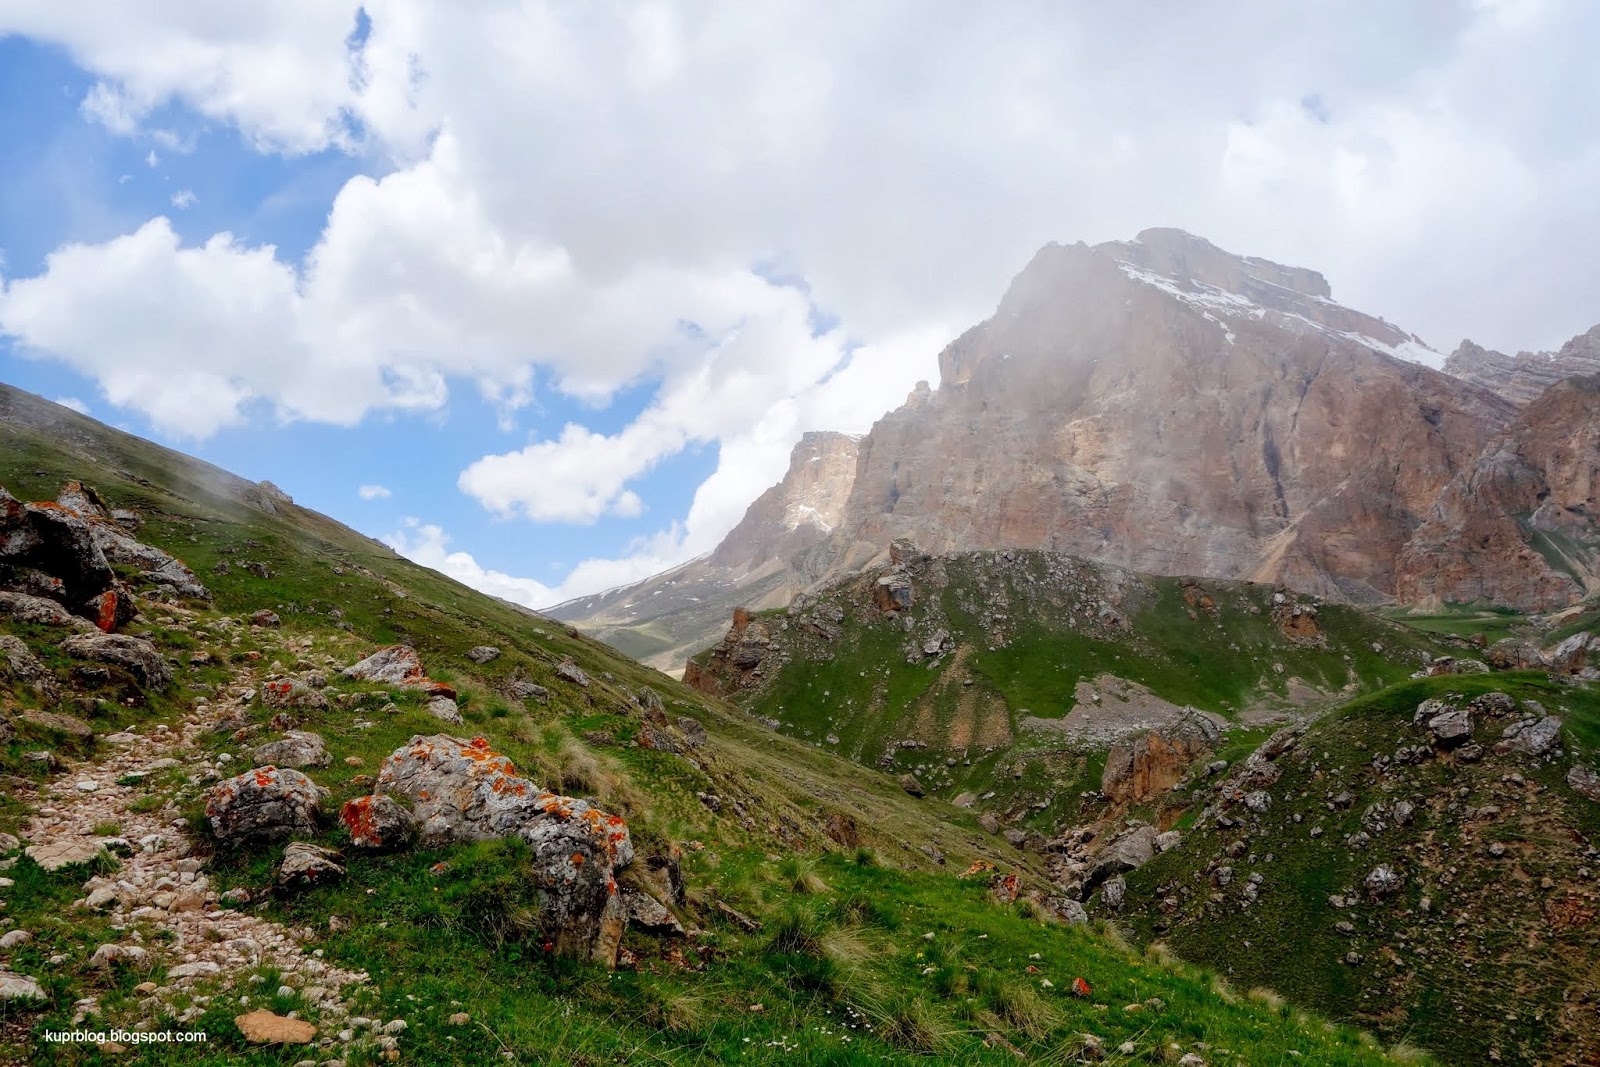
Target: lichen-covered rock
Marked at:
378, 822
307, 865
464, 791
134, 654
18, 662
265, 618
158, 566
266, 804
291, 693
25, 607
296, 749
649, 915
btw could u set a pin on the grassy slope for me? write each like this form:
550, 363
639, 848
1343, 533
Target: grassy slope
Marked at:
1502, 961
866, 690
842, 970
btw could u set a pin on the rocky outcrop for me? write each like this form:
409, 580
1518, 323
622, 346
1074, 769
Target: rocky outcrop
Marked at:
1139, 769
1517, 526
464, 791
736, 661
1524, 377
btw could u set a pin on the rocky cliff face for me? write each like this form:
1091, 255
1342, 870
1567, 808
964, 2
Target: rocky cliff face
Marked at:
1518, 526
1166, 406
1523, 377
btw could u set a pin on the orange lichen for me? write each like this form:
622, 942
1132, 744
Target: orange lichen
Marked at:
577, 859
357, 818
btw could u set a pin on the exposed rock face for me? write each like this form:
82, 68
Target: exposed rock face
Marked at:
1517, 526
1157, 761
463, 791
736, 660
1522, 378
266, 804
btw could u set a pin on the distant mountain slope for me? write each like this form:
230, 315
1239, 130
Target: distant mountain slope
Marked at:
668, 617
1523, 377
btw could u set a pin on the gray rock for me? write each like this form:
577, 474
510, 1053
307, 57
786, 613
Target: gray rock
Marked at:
296, 749
444, 709
394, 665
1535, 738
1585, 782
134, 654
989, 822
1126, 852
528, 691
1451, 727
1514, 654
266, 804
483, 653
649, 915
287, 693
1382, 882
18, 987
40, 612
1259, 801
694, 732
569, 671
1168, 841
909, 783
265, 619
1570, 655
1403, 811
18, 662
305, 865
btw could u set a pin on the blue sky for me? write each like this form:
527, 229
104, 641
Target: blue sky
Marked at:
568, 281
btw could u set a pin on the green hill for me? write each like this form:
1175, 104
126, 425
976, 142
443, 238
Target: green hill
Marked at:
829, 916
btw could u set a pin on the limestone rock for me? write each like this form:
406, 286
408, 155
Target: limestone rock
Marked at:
569, 671
134, 654
306, 865
292, 693
18, 987
296, 749
1451, 727
397, 665
262, 1027
378, 822
1585, 782
40, 612
266, 804
464, 791
1382, 882
444, 709
1535, 738
1571, 655
483, 653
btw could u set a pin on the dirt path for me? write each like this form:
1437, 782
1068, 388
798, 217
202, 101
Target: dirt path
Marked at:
207, 948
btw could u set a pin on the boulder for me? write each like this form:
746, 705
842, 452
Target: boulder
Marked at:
65, 547
464, 791
569, 671
394, 665
307, 865
1585, 782
110, 609
134, 654
292, 693
1451, 727
1514, 654
1127, 851
378, 822
1382, 882
158, 567
1114, 892
909, 783
266, 804
483, 653
649, 915
989, 822
18, 663
693, 731
1570, 655
893, 592
18, 987
1493, 705
262, 1027
529, 691
297, 748
1535, 737
444, 709
25, 607
265, 618
1168, 841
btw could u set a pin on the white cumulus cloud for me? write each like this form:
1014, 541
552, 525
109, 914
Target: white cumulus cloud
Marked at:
374, 492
